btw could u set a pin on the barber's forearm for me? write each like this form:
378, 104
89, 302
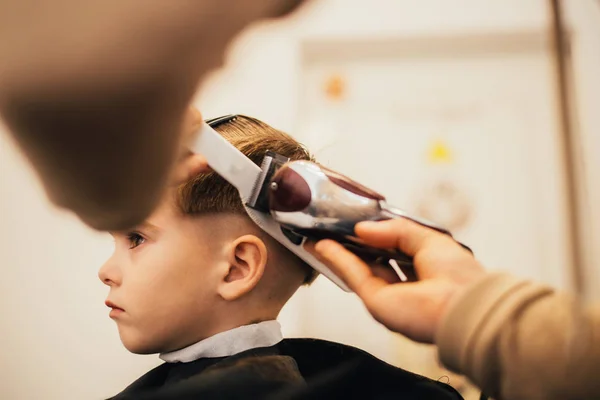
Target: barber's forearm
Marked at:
95, 92
517, 339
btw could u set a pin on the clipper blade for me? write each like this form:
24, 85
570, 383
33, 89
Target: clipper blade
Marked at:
259, 200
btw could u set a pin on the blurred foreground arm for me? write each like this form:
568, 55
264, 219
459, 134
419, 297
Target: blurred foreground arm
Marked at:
95, 92
515, 339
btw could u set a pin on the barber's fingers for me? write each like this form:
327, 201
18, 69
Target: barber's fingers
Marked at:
401, 233
189, 164
192, 121
350, 268
188, 167
412, 309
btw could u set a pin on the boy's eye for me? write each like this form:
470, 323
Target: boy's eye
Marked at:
135, 239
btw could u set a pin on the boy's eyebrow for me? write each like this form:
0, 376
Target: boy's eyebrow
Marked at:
148, 226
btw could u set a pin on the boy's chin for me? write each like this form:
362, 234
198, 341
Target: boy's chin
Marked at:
141, 350
141, 345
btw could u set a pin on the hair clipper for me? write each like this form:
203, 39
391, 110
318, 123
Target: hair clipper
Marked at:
312, 202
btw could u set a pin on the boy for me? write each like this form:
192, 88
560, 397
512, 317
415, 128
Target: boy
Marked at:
200, 284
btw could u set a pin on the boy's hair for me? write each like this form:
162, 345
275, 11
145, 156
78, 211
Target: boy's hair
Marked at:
210, 194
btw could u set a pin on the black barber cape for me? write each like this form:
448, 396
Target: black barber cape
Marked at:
291, 369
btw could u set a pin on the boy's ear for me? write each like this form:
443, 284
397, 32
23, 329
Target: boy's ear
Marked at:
247, 258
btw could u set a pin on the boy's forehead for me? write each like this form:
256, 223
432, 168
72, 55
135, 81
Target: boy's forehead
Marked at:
166, 210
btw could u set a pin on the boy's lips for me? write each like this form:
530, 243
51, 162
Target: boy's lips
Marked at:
115, 309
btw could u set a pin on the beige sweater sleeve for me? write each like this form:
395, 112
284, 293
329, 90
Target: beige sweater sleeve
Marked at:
520, 340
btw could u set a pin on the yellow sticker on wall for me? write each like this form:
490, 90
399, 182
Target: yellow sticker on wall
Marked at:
439, 153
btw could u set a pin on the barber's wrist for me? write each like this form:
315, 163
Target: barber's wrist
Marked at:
456, 332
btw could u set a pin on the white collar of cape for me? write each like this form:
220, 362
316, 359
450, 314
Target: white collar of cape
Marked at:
228, 343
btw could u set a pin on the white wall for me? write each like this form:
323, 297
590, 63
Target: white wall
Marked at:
260, 78
57, 339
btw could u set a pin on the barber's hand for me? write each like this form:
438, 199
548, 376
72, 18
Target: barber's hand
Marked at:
189, 164
413, 309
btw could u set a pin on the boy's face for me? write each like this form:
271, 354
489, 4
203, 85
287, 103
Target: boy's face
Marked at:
163, 277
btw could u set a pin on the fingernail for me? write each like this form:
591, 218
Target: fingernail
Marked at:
322, 245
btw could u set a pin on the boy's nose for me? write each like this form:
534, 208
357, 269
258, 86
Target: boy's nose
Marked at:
109, 273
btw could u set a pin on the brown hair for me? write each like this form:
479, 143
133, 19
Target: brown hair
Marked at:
210, 193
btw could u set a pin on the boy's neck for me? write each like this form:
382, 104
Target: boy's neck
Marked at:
233, 315
224, 319
230, 342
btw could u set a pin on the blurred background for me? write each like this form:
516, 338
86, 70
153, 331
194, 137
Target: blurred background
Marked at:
465, 112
